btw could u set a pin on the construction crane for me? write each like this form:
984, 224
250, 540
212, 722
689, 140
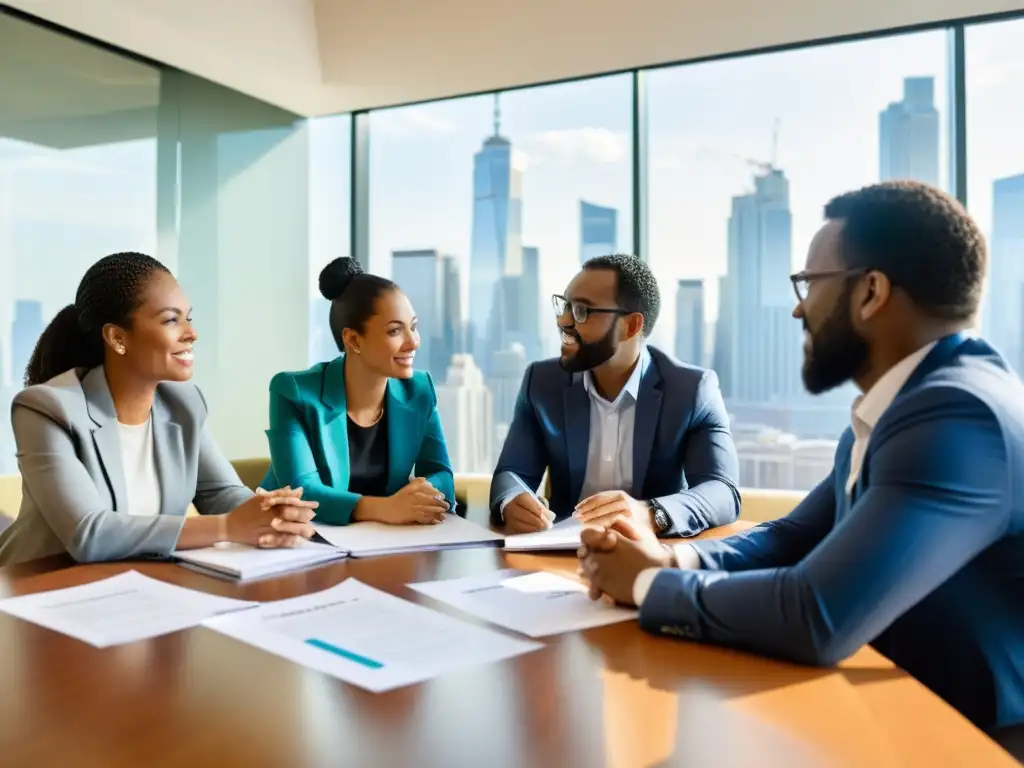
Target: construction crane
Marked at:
764, 166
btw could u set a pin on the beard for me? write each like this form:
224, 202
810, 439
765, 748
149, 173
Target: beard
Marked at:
589, 354
837, 353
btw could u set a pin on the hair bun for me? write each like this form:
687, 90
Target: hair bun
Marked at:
336, 276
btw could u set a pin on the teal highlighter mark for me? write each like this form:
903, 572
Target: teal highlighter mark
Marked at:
323, 646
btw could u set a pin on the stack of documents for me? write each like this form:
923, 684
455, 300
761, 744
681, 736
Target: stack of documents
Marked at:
367, 637
563, 536
536, 604
243, 562
120, 609
370, 539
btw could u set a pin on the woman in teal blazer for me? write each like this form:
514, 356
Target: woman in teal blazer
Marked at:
353, 431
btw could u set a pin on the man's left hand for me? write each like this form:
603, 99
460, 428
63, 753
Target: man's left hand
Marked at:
606, 507
611, 560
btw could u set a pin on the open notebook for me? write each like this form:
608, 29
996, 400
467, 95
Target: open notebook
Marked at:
244, 563
370, 539
561, 537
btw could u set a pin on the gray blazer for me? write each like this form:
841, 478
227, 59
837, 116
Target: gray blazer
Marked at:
73, 488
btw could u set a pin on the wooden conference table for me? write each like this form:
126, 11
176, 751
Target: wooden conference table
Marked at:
612, 696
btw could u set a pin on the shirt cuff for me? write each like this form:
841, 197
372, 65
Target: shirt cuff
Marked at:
642, 584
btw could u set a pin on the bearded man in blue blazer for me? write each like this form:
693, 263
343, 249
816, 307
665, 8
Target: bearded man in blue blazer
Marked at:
914, 543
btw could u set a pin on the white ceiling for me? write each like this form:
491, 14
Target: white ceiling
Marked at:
326, 56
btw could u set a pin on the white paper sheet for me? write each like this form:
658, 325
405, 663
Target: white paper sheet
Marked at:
368, 539
563, 536
242, 562
367, 637
537, 604
120, 609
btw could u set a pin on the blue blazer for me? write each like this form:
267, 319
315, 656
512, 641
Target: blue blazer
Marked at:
683, 453
924, 559
308, 438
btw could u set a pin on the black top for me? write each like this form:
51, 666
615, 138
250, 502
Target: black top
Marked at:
368, 458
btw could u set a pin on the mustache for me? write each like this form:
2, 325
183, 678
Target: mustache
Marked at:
570, 331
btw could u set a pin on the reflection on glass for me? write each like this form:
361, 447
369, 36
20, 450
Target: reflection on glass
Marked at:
743, 155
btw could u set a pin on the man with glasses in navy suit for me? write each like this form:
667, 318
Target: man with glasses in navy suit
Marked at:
915, 541
623, 429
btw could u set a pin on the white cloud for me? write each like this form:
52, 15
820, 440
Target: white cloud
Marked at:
582, 146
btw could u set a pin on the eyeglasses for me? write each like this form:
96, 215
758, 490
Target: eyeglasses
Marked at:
801, 280
580, 311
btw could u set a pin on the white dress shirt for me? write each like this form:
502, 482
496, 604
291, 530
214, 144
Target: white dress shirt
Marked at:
610, 447
865, 412
141, 480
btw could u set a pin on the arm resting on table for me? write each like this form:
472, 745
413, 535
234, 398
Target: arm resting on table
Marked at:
925, 515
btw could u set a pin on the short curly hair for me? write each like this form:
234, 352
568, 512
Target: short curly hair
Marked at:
921, 239
637, 289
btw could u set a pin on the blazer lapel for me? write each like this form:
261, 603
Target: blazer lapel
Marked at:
169, 455
100, 405
648, 412
577, 434
402, 419
334, 435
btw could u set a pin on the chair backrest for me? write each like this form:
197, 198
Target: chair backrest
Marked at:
251, 471
10, 495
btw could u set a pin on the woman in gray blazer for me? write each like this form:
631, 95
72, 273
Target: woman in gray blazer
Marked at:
112, 438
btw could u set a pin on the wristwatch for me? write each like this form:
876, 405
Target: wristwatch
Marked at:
662, 522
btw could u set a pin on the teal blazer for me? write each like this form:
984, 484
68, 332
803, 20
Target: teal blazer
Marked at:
308, 438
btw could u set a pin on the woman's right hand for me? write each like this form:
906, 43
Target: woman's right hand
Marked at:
417, 503
272, 519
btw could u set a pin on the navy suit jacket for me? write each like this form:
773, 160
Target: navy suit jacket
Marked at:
924, 559
683, 453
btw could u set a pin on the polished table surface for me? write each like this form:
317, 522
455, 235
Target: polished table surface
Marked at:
612, 696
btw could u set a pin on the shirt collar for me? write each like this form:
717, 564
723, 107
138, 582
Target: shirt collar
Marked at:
869, 407
632, 387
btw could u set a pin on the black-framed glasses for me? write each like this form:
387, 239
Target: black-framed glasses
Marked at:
801, 280
581, 311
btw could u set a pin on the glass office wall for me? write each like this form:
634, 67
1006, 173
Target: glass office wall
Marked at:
743, 155
481, 208
243, 201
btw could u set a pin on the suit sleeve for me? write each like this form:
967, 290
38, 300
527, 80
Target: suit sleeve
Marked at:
777, 543
711, 467
218, 487
63, 491
433, 462
523, 458
292, 457
939, 478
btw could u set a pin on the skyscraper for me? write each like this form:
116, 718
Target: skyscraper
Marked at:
427, 277
466, 409
25, 331
599, 227
321, 341
757, 342
505, 380
1004, 311
690, 322
908, 134
496, 250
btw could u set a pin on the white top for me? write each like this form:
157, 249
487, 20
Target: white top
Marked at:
140, 477
867, 409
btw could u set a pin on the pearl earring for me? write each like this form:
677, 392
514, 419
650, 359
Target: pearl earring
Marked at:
120, 350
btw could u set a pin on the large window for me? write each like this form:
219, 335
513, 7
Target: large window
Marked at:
480, 208
743, 155
995, 180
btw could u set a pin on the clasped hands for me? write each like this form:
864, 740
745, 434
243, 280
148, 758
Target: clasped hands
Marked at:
279, 518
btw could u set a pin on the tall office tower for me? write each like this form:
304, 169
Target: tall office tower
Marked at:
757, 346
599, 230
426, 277
908, 134
504, 382
321, 341
25, 331
466, 410
690, 322
453, 324
496, 250
1004, 304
